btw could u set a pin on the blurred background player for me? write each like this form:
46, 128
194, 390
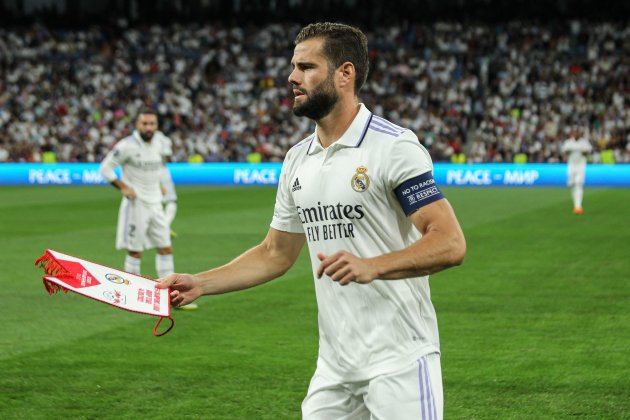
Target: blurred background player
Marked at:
142, 222
576, 152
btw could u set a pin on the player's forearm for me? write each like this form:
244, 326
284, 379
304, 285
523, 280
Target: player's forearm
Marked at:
436, 251
125, 189
254, 267
118, 184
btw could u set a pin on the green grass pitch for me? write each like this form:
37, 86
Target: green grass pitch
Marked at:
534, 325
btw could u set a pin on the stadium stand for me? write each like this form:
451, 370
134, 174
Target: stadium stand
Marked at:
482, 92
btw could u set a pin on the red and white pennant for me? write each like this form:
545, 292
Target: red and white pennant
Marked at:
109, 285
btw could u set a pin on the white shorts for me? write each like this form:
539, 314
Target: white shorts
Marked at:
141, 226
414, 392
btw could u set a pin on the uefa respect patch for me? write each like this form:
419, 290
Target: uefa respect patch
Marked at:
418, 192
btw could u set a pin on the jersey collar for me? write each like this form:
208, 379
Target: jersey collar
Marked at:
353, 137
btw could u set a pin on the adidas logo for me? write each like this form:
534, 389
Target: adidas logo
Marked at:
296, 186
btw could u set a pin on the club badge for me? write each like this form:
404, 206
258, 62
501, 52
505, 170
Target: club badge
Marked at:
360, 181
114, 278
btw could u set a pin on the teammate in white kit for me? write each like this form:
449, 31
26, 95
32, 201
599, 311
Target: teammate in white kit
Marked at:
360, 191
142, 223
576, 151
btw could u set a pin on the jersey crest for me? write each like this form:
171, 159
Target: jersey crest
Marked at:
360, 181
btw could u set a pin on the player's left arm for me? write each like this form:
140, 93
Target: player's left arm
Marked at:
442, 246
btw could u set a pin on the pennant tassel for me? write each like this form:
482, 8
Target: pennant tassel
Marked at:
52, 287
50, 265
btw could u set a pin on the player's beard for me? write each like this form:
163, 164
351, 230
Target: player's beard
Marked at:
319, 102
146, 135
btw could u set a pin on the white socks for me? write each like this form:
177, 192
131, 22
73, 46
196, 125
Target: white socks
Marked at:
170, 209
577, 193
132, 264
164, 265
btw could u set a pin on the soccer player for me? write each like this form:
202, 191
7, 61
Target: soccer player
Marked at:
576, 151
142, 223
360, 191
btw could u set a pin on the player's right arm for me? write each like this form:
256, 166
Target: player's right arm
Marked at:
269, 260
112, 160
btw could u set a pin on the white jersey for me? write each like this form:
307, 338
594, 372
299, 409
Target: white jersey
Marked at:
343, 198
576, 151
141, 163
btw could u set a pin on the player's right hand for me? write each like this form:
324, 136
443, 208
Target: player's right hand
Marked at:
128, 192
183, 288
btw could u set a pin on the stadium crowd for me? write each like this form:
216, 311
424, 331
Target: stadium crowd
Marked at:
472, 92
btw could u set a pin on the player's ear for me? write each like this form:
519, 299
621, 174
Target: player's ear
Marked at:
347, 74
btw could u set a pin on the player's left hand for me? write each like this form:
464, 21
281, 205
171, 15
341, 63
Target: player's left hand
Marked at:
344, 267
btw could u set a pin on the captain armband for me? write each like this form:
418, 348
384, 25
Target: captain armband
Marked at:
418, 192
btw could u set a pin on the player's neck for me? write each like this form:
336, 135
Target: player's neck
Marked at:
334, 125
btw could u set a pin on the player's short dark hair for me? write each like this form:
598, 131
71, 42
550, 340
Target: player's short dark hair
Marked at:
145, 111
341, 43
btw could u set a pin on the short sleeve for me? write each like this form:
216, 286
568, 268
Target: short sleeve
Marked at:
410, 175
408, 160
115, 158
285, 217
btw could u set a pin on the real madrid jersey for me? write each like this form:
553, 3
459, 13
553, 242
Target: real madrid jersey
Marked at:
576, 150
356, 196
141, 164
